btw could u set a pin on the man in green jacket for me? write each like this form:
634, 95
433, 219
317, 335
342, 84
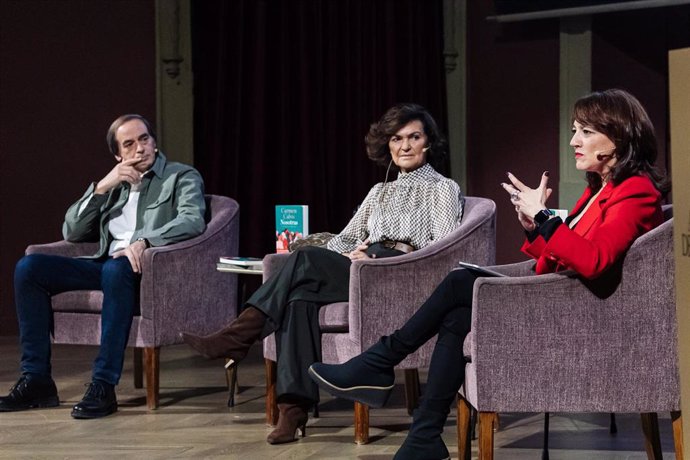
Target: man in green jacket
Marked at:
143, 201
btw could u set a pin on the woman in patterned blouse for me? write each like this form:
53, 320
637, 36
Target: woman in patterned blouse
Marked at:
396, 217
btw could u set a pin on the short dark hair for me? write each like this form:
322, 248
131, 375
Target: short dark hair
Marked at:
390, 123
622, 118
121, 120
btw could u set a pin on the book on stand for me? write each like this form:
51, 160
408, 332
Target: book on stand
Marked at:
251, 265
292, 223
248, 262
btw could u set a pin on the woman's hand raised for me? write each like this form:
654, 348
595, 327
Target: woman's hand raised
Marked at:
528, 201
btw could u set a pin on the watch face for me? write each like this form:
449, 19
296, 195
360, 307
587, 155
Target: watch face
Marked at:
542, 216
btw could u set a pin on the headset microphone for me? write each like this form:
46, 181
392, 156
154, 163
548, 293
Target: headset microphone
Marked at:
604, 157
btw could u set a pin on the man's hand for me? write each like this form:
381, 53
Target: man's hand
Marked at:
133, 252
122, 172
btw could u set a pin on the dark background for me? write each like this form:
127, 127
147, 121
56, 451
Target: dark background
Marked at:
284, 94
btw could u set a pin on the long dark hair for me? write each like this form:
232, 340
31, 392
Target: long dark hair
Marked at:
390, 123
621, 117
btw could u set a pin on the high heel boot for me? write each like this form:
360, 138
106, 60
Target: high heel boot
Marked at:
291, 418
234, 340
367, 378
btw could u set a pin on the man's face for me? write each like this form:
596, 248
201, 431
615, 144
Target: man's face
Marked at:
134, 141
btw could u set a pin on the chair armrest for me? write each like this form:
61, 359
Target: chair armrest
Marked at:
181, 288
63, 248
540, 335
391, 289
272, 263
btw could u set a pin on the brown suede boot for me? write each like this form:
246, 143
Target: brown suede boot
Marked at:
234, 340
292, 417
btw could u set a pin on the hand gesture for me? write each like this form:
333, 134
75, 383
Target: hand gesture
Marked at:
528, 201
124, 171
133, 252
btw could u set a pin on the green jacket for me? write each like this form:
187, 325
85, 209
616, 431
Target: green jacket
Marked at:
171, 208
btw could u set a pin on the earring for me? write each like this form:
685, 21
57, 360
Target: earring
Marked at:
155, 150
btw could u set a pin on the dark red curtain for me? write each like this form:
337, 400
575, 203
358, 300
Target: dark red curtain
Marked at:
285, 92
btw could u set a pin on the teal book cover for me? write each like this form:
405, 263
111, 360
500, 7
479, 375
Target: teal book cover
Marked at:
292, 223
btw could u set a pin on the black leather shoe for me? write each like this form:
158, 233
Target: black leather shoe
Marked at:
29, 392
98, 401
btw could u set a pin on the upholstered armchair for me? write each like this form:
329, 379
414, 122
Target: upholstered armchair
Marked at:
180, 290
383, 294
558, 343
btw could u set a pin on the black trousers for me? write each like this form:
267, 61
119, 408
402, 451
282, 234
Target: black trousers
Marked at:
311, 277
448, 313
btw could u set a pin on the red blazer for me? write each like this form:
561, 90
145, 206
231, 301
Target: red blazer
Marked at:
626, 211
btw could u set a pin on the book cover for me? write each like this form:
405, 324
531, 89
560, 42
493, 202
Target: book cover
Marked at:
292, 223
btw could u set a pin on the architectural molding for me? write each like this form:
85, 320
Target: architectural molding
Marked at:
575, 82
174, 82
454, 53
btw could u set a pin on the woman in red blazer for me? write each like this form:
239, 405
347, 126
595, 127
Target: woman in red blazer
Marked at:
614, 142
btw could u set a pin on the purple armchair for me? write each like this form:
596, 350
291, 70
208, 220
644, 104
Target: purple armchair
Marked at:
180, 290
561, 344
384, 293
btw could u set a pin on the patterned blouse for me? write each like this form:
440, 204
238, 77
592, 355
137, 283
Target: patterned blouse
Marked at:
418, 208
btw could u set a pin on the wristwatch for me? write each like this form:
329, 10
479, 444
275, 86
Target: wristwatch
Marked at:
542, 216
146, 242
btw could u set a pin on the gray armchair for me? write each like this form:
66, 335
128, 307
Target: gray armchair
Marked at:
384, 293
180, 290
556, 343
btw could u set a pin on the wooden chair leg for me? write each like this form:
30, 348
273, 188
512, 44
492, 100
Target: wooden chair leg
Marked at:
464, 435
138, 368
271, 403
231, 379
677, 433
652, 442
412, 389
361, 423
486, 435
152, 358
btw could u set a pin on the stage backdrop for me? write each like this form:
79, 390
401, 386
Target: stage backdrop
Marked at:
285, 92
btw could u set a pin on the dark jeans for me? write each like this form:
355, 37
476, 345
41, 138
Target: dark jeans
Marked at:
37, 277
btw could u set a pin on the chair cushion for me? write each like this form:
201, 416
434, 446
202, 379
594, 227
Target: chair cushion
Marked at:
78, 301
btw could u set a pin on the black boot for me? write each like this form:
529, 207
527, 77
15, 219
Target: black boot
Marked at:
29, 392
424, 441
446, 375
232, 341
367, 378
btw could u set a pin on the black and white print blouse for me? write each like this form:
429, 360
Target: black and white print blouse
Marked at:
418, 208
